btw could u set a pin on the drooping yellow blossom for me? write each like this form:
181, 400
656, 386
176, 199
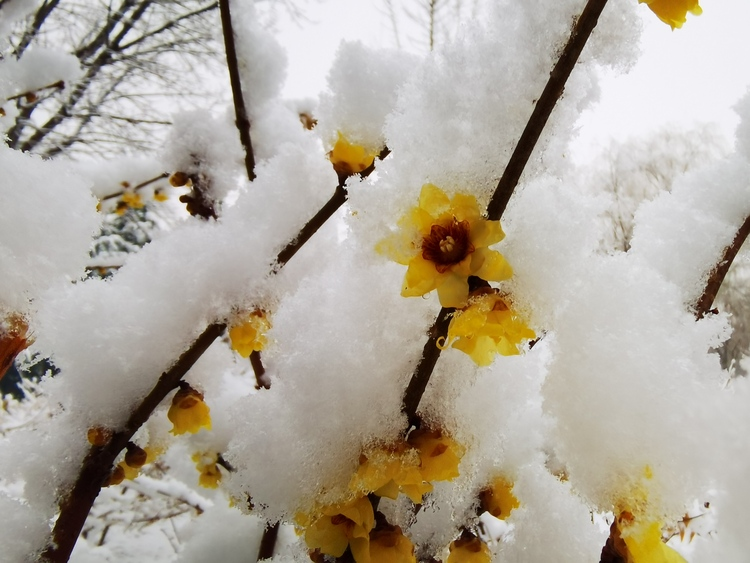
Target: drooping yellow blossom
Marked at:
469, 549
210, 475
443, 241
488, 326
129, 200
349, 159
341, 525
128, 472
389, 545
673, 12
188, 412
390, 471
160, 195
439, 455
250, 335
635, 535
498, 499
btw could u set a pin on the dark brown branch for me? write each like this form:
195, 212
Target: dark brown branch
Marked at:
242, 120
552, 92
421, 376
139, 186
706, 300
509, 180
311, 227
261, 381
268, 542
44, 11
97, 466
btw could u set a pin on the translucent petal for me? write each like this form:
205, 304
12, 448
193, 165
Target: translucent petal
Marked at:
490, 265
433, 200
453, 290
485, 233
421, 278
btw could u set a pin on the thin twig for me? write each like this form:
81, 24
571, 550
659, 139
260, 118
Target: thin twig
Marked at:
508, 182
261, 381
550, 95
268, 542
242, 121
706, 300
139, 186
97, 466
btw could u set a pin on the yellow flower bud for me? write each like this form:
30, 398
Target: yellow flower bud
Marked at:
188, 412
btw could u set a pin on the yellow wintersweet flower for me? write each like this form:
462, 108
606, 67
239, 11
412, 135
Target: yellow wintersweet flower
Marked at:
439, 455
341, 525
498, 499
349, 159
210, 475
250, 335
443, 241
389, 545
390, 471
485, 328
160, 195
469, 549
673, 12
188, 412
129, 200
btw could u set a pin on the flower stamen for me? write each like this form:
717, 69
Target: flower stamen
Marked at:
446, 246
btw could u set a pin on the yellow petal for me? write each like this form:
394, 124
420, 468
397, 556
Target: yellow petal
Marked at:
453, 290
433, 200
421, 277
499, 499
327, 537
486, 233
645, 545
490, 265
465, 208
673, 12
361, 549
481, 349
190, 419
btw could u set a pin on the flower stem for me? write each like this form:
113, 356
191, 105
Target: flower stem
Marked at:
242, 121
543, 108
97, 466
706, 300
268, 542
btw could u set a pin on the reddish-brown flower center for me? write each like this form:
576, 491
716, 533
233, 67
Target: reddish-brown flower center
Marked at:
446, 246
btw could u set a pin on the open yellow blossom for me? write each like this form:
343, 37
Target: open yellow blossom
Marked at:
349, 159
390, 471
250, 335
469, 549
673, 12
188, 412
498, 499
443, 241
439, 455
488, 326
389, 545
343, 525
210, 475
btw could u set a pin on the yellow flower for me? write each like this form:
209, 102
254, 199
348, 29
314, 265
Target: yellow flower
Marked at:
389, 545
443, 241
129, 200
485, 328
210, 475
349, 159
341, 525
160, 195
498, 499
673, 12
188, 412
390, 471
250, 336
469, 549
439, 455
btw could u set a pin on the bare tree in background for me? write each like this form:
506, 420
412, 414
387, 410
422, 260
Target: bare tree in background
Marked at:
436, 20
132, 53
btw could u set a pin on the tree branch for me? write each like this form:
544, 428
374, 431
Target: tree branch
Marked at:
168, 26
42, 13
716, 278
97, 466
550, 95
508, 182
242, 120
268, 542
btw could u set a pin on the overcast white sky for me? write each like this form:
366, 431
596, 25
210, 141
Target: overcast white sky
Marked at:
687, 76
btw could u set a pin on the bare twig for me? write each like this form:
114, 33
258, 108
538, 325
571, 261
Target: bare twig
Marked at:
508, 182
139, 186
550, 95
97, 466
242, 121
706, 300
268, 542
261, 381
